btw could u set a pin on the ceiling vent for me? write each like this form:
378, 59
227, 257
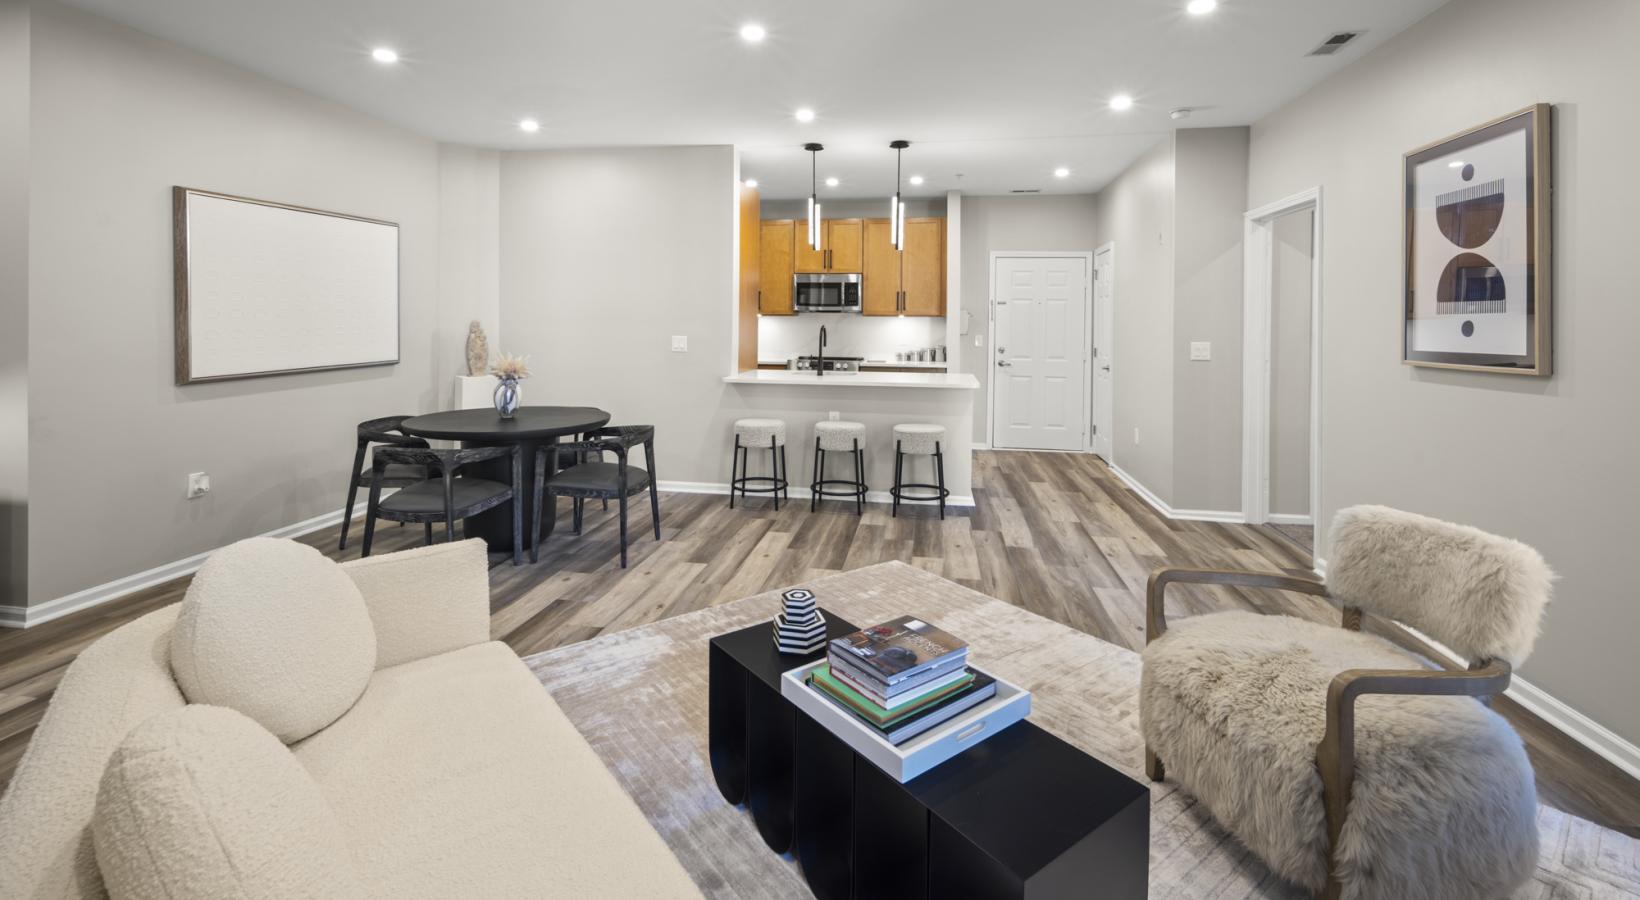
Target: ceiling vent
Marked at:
1026, 191
1335, 43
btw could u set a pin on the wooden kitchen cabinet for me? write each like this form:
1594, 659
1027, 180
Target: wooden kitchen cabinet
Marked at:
775, 267
880, 273
840, 247
922, 268
909, 281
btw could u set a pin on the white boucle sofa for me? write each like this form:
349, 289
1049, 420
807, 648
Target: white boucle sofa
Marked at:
299, 728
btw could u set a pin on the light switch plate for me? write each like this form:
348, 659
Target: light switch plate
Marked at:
199, 484
1201, 350
680, 343
979, 340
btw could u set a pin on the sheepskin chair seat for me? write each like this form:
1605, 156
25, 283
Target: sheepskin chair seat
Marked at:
1444, 802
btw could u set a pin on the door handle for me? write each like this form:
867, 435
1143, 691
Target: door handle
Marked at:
1002, 363
1104, 368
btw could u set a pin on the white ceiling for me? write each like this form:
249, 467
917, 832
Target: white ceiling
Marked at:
993, 95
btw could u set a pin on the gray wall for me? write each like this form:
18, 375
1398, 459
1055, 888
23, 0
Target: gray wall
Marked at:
1548, 461
1210, 196
596, 318
469, 262
873, 208
1064, 222
118, 118
14, 193
1136, 212
1290, 281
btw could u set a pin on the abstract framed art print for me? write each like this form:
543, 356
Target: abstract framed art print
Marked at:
1477, 254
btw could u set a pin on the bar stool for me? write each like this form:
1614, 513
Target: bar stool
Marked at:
919, 440
838, 437
753, 434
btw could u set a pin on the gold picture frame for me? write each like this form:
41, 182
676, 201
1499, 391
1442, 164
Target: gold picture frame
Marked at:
1477, 274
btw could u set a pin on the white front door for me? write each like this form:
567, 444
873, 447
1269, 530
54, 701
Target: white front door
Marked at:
1040, 352
1104, 275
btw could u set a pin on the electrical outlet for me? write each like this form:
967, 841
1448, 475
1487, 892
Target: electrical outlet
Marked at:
199, 484
1135, 435
834, 415
680, 343
1201, 350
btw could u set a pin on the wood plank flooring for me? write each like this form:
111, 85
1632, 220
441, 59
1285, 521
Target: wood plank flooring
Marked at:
1057, 534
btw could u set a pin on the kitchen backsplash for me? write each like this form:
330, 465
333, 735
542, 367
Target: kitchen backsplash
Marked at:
780, 338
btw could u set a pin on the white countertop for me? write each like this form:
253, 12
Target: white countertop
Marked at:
942, 380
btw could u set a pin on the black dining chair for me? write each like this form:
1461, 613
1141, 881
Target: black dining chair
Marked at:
444, 499
591, 478
382, 431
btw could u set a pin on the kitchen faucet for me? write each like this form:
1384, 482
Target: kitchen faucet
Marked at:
820, 357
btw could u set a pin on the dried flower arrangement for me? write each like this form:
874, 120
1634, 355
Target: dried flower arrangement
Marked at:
513, 367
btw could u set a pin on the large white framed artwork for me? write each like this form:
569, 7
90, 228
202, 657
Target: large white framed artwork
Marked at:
267, 288
1477, 258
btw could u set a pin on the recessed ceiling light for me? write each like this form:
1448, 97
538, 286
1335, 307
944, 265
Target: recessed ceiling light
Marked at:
385, 55
529, 125
804, 115
752, 32
1061, 172
916, 179
751, 182
1121, 102
831, 182
1201, 7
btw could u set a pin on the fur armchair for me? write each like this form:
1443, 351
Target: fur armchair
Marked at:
1346, 763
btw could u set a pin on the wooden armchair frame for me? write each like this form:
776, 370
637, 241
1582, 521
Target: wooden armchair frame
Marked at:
1335, 754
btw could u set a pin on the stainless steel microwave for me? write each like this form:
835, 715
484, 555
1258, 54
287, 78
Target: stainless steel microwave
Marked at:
826, 293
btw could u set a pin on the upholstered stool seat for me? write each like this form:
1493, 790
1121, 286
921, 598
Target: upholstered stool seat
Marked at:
839, 437
758, 434
918, 439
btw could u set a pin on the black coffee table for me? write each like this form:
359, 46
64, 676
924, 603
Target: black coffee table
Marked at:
1022, 814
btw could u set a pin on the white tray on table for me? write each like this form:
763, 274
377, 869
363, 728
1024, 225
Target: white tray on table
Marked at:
906, 761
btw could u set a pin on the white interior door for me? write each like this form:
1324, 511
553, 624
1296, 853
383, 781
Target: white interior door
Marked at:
1104, 398
1040, 359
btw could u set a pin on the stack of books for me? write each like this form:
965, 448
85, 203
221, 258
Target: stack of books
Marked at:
902, 677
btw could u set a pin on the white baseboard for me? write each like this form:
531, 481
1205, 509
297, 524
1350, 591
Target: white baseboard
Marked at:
1575, 725
797, 493
980, 445
1289, 519
1161, 506
29, 616
1557, 715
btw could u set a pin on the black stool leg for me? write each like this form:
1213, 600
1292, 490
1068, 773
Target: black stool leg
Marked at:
939, 466
774, 464
734, 466
785, 475
899, 460
859, 480
818, 471
623, 531
429, 534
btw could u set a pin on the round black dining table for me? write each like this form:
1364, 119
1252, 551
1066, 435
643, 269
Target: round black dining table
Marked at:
529, 428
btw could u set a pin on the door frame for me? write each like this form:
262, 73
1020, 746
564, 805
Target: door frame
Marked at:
1258, 258
991, 336
1093, 336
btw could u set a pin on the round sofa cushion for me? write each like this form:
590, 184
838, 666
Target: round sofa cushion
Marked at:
201, 802
277, 631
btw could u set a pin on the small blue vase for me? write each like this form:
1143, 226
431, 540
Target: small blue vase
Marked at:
506, 397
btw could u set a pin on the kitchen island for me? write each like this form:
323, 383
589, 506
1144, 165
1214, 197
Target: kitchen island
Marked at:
879, 400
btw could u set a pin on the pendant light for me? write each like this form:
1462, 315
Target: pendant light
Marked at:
814, 193
896, 206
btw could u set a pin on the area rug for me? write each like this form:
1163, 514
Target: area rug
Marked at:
639, 697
